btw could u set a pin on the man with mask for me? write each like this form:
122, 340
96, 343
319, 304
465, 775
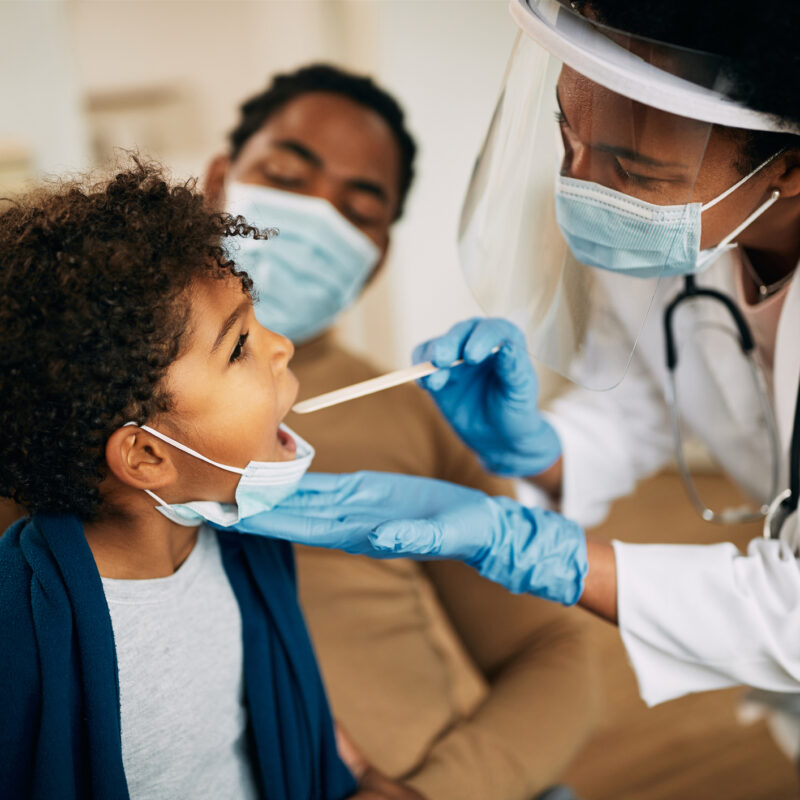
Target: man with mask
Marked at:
441, 677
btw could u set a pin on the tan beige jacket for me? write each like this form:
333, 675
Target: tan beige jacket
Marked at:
441, 677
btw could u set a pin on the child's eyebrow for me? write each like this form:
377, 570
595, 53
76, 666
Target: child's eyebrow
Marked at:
226, 326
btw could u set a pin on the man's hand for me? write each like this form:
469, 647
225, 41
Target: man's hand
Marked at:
372, 784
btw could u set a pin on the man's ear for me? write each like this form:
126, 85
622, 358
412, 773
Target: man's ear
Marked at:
139, 460
788, 178
214, 181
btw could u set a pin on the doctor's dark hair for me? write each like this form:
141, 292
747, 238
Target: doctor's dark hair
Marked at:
758, 45
94, 282
325, 78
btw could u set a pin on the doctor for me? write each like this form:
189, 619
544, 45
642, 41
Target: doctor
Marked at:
645, 242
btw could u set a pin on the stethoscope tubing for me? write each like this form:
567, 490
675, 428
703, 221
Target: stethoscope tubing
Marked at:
783, 504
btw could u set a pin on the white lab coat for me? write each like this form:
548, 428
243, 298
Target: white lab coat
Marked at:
692, 617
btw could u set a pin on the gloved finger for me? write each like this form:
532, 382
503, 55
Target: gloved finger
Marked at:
422, 352
489, 334
317, 490
407, 537
463, 532
514, 366
444, 350
332, 496
435, 382
296, 528
344, 533
320, 482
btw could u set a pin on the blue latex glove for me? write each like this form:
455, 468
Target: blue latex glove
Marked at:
385, 515
491, 400
341, 511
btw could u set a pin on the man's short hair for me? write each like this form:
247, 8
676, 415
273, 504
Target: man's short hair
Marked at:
325, 78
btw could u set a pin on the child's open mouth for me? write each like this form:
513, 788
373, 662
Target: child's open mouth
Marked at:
287, 442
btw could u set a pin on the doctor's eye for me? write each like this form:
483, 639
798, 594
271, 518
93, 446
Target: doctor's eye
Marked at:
238, 351
560, 118
632, 177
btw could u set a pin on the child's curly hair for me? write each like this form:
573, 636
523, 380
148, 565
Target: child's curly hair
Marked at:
92, 312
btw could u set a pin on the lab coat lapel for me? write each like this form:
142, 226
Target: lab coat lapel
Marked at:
787, 364
787, 376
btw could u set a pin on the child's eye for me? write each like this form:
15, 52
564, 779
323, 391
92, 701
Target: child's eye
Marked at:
238, 351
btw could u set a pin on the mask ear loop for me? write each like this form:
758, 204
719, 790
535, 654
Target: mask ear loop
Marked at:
742, 181
185, 449
157, 498
773, 198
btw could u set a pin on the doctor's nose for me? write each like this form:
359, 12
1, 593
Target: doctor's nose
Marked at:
579, 164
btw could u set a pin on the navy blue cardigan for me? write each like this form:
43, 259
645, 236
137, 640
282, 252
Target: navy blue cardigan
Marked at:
59, 691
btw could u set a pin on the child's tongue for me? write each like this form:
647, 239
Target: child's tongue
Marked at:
287, 442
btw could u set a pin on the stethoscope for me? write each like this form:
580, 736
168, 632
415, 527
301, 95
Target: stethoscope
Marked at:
785, 503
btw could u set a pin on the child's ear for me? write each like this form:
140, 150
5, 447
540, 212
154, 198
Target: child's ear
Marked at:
140, 460
214, 181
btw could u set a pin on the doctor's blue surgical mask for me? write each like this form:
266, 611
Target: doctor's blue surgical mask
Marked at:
611, 230
262, 485
308, 274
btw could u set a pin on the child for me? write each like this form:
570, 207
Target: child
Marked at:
143, 654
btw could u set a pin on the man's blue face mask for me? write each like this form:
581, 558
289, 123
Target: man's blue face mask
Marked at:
611, 230
308, 274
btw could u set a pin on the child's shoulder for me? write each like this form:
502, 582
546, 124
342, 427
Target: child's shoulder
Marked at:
19, 658
15, 572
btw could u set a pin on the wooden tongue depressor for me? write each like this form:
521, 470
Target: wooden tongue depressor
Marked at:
371, 386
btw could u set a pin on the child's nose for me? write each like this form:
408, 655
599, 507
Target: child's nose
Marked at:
282, 351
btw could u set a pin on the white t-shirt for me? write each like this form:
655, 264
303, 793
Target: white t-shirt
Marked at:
181, 682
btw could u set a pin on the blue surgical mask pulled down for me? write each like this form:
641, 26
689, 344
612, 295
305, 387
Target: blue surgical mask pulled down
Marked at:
308, 274
611, 230
263, 484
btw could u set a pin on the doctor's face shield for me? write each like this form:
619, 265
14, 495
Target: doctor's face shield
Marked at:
602, 168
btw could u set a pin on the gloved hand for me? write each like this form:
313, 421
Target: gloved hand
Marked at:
492, 399
386, 515
341, 511
527, 550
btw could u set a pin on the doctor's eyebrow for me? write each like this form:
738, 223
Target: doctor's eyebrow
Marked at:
623, 152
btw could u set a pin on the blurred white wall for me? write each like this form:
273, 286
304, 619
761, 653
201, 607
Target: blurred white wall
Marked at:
42, 128
167, 76
445, 60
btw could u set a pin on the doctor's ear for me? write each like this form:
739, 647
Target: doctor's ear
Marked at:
214, 181
139, 460
787, 178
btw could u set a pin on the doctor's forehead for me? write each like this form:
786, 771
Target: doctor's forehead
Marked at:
348, 139
600, 116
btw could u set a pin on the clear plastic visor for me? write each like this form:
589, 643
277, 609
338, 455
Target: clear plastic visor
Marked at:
553, 235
